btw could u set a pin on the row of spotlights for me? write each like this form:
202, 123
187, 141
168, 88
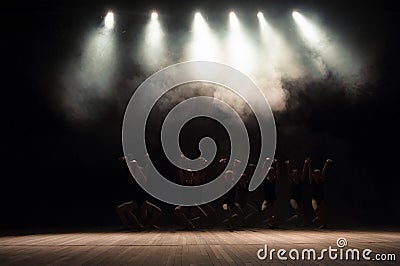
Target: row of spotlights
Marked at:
109, 19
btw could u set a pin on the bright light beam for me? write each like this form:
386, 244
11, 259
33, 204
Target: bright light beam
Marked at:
153, 46
203, 45
309, 31
154, 31
198, 17
200, 24
154, 15
315, 39
265, 31
234, 22
262, 21
109, 20
241, 50
328, 52
99, 59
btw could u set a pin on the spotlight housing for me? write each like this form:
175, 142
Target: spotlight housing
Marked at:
197, 15
154, 15
234, 22
109, 20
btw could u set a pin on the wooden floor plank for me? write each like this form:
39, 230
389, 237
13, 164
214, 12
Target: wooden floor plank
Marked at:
186, 247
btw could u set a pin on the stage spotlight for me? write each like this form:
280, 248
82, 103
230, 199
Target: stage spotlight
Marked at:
199, 22
327, 52
315, 40
261, 19
99, 59
154, 32
296, 15
203, 45
198, 16
234, 22
309, 31
240, 48
153, 50
154, 15
109, 20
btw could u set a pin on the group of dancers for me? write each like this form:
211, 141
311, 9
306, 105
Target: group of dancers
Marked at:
140, 213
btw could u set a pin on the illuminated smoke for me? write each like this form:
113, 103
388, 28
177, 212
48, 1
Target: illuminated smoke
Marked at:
270, 55
89, 78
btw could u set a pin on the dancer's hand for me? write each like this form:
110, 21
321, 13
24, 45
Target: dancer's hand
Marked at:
223, 160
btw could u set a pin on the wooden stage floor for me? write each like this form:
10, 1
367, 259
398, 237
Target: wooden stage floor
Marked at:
215, 247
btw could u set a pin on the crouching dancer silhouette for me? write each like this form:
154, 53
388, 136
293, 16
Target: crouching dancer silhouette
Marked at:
128, 212
189, 214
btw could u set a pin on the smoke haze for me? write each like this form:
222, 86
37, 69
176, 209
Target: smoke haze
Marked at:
108, 67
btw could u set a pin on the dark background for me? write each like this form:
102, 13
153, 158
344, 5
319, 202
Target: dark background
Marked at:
63, 173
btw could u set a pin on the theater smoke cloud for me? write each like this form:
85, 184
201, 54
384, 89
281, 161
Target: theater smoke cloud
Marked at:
269, 54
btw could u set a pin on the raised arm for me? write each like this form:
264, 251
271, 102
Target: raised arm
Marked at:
181, 176
203, 173
307, 162
236, 162
276, 167
183, 162
197, 178
146, 167
181, 171
138, 171
287, 162
327, 163
309, 169
252, 168
264, 169
223, 163
124, 161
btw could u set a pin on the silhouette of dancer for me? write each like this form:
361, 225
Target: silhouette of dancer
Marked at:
269, 208
148, 212
296, 192
317, 181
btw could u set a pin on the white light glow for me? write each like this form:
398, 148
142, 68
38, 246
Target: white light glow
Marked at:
241, 50
327, 52
199, 22
154, 15
153, 46
234, 22
198, 16
261, 20
309, 31
99, 58
154, 33
203, 45
109, 20
315, 39
275, 54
